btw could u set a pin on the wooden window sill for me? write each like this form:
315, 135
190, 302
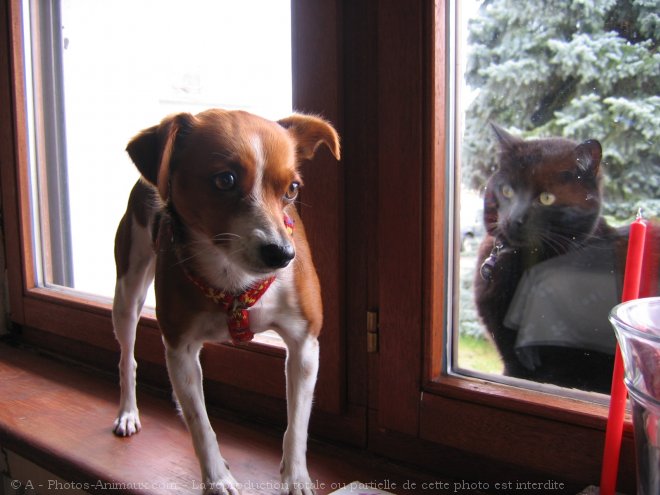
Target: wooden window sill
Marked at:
59, 417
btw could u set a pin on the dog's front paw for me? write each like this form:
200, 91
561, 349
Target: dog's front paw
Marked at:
296, 482
127, 423
297, 486
226, 485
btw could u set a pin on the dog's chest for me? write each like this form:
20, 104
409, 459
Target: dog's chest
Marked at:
278, 309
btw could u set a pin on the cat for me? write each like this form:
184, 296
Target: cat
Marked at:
549, 263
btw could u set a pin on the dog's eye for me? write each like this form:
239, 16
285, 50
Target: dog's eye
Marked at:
292, 192
225, 181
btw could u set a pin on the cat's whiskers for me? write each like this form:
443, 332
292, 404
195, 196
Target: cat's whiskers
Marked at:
562, 242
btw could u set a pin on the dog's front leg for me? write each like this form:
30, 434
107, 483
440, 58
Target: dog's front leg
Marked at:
301, 369
186, 376
130, 292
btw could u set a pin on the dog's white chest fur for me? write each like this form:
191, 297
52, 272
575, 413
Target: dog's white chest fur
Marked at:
278, 308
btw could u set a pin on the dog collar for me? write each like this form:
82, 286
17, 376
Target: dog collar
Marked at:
237, 305
488, 266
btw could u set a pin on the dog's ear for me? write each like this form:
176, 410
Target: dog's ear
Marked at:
152, 149
309, 132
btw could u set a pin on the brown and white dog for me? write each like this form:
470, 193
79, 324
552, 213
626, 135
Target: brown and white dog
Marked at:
213, 218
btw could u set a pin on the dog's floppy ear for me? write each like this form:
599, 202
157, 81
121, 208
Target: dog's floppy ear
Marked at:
309, 132
151, 150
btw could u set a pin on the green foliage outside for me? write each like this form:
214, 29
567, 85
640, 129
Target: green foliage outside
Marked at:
478, 354
582, 69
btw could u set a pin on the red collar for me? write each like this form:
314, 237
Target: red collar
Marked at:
237, 305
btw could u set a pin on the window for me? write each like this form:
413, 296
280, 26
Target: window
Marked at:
98, 74
540, 245
462, 417
105, 71
102, 76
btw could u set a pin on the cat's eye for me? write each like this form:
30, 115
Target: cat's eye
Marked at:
546, 198
507, 191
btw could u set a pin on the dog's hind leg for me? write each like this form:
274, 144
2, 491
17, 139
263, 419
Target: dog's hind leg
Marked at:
135, 272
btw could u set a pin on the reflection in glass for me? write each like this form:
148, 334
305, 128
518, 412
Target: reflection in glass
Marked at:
547, 266
556, 143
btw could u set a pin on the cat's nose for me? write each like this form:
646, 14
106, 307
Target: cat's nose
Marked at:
518, 219
515, 229
519, 223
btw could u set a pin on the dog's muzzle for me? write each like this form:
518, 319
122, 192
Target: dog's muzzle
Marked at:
277, 255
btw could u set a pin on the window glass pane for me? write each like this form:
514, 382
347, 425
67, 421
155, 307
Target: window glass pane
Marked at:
558, 107
113, 68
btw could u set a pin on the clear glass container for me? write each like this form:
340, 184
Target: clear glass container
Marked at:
637, 327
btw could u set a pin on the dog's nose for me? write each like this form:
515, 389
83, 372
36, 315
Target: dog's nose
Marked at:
277, 255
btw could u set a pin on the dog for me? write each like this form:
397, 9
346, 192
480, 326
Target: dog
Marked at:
213, 220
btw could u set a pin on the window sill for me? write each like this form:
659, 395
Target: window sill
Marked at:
59, 417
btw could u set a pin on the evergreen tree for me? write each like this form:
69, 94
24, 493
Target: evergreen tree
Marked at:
575, 68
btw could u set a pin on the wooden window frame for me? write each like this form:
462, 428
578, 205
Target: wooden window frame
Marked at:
457, 422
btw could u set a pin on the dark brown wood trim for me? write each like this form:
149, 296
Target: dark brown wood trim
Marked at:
49, 308
316, 60
401, 138
258, 372
360, 159
13, 157
561, 450
468, 468
587, 413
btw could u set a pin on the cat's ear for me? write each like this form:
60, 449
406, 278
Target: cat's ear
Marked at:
507, 141
588, 156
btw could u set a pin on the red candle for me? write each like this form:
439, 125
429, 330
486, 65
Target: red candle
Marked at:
631, 282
